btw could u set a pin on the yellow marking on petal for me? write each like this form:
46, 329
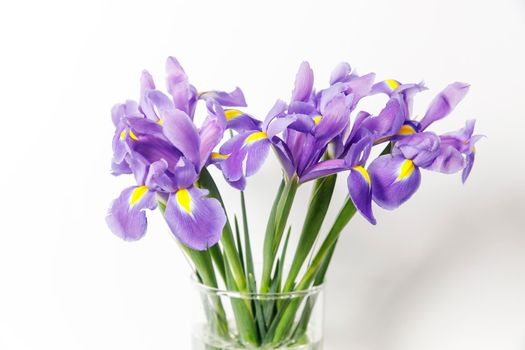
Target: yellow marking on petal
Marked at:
256, 136
160, 121
123, 134
232, 113
133, 136
217, 155
474, 149
363, 172
184, 199
406, 130
392, 84
317, 119
137, 194
407, 168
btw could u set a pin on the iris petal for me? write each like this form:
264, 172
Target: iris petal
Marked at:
304, 82
126, 217
444, 103
360, 189
194, 219
392, 183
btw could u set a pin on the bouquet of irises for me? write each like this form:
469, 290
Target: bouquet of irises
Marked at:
315, 135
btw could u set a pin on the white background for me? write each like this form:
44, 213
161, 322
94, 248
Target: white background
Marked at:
445, 271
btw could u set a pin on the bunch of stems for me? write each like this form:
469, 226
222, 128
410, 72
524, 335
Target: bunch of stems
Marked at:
267, 321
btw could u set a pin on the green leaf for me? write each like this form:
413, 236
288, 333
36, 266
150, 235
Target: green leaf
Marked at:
239, 243
286, 321
275, 229
247, 244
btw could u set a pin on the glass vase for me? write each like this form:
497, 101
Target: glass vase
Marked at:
229, 320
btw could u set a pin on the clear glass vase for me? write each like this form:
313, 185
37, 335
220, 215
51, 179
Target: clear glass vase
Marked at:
228, 320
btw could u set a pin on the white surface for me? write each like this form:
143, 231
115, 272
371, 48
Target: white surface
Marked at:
445, 271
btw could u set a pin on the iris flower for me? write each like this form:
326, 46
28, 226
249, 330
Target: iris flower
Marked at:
157, 140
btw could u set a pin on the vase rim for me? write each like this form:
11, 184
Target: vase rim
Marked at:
242, 295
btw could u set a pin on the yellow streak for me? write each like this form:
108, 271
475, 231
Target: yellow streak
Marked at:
392, 84
123, 134
184, 199
256, 136
232, 113
217, 155
317, 119
137, 194
133, 136
407, 168
406, 130
363, 172
160, 121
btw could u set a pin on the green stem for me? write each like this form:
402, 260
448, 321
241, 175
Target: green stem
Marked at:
319, 202
343, 218
275, 229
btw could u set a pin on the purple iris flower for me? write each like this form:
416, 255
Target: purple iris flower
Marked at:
299, 132
158, 142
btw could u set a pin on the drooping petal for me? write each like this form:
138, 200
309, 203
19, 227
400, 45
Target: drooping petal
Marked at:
360, 190
240, 121
444, 103
194, 219
248, 158
226, 99
394, 180
304, 82
126, 217
257, 154
120, 168
182, 133
422, 148
468, 166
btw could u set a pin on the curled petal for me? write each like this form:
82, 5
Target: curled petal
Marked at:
277, 110
194, 219
394, 180
360, 190
226, 99
304, 82
257, 154
388, 122
422, 148
444, 103
126, 217
158, 179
